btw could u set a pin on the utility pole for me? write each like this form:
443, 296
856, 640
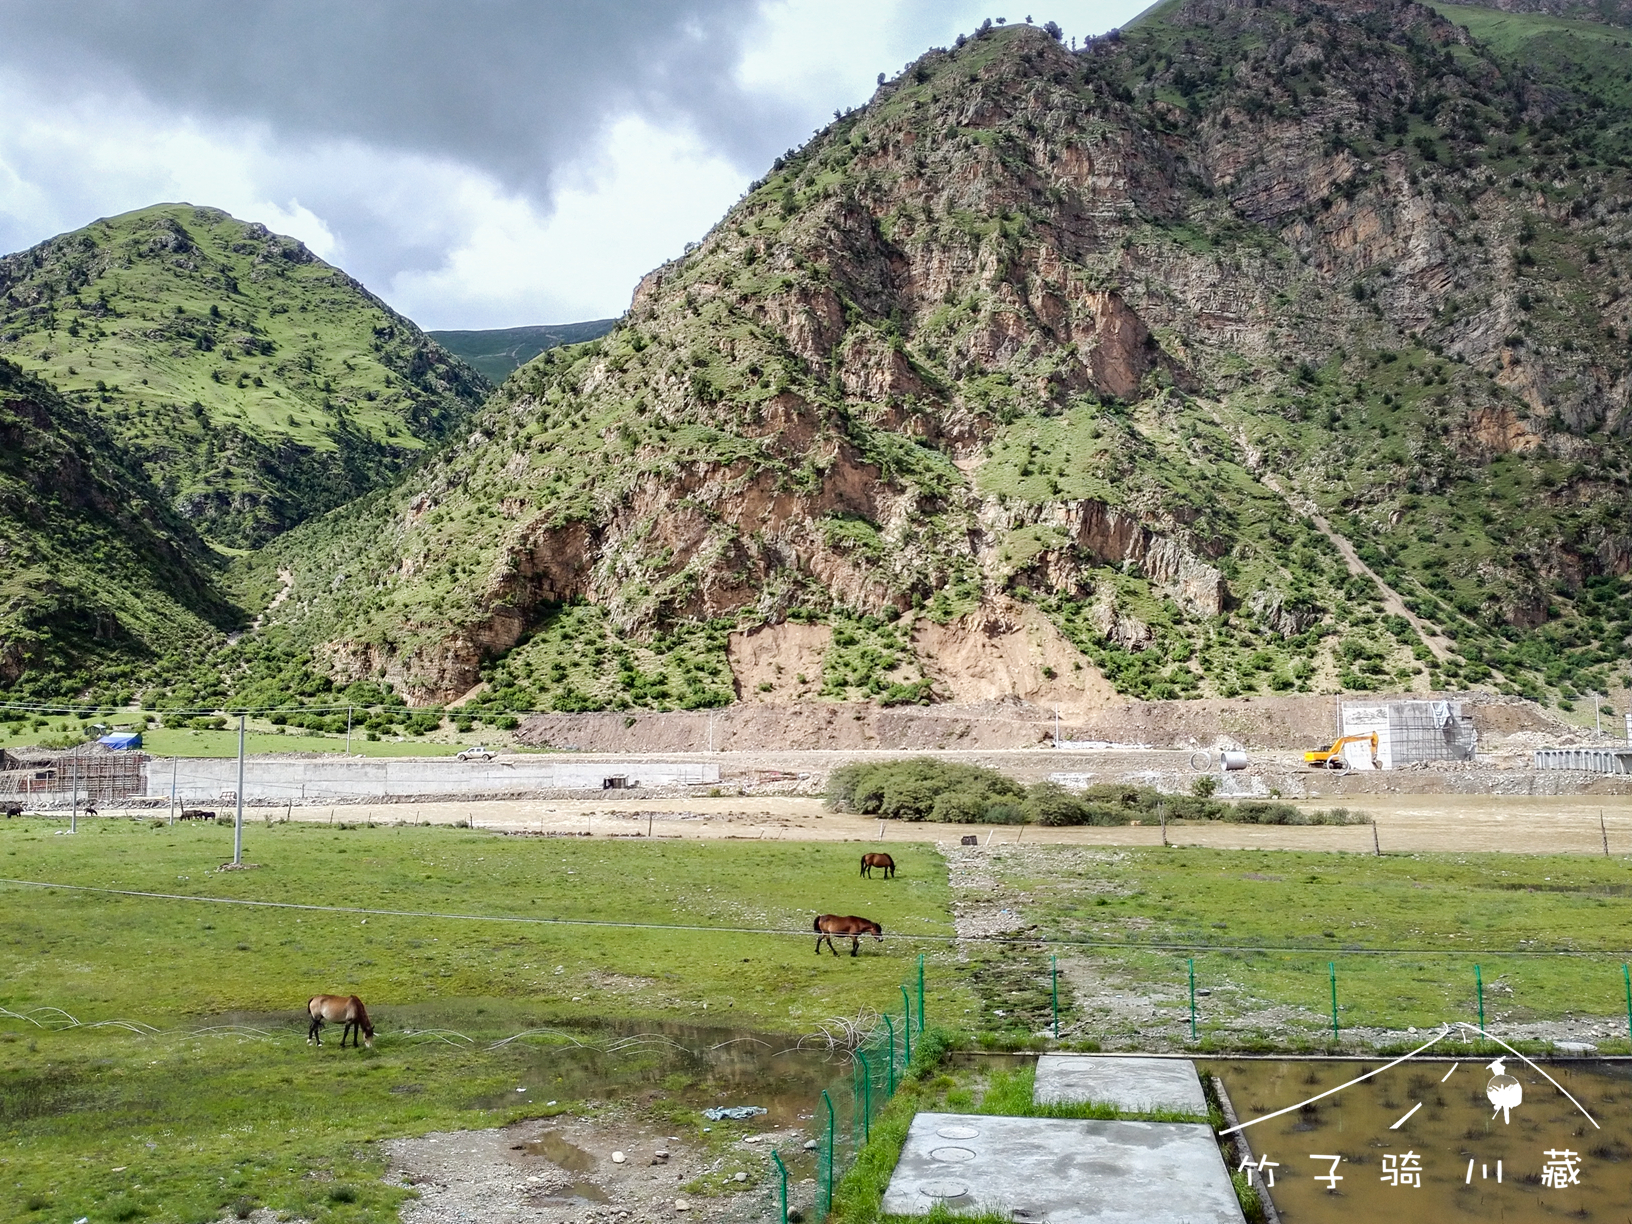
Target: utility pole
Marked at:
1597, 717
73, 813
348, 730
175, 764
238, 824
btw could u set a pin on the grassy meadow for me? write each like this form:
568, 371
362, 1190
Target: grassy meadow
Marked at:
261, 738
1446, 913
226, 1102
186, 1088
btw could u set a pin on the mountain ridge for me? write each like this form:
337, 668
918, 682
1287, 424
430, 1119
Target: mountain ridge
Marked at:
1037, 323
250, 380
1254, 348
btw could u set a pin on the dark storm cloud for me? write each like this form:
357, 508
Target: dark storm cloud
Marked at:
512, 87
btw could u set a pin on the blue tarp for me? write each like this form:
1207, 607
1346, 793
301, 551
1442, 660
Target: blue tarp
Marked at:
121, 739
734, 1112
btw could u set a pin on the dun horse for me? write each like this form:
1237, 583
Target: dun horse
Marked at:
346, 1008
877, 859
853, 928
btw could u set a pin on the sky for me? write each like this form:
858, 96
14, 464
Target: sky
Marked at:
476, 163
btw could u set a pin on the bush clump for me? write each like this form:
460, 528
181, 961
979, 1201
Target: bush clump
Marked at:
926, 789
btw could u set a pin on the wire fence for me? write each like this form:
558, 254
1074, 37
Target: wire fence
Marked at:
802, 1185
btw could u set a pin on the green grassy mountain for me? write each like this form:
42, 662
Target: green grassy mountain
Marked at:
101, 583
1613, 12
498, 352
1257, 347
251, 382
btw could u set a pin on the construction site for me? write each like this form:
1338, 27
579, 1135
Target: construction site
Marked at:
1473, 744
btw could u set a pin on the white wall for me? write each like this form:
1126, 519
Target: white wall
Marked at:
1363, 720
205, 781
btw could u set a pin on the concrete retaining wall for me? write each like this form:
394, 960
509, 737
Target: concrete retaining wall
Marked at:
203, 781
1587, 760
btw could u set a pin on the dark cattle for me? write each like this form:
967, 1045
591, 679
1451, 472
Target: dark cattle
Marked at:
196, 814
346, 1008
969, 839
89, 810
13, 809
851, 928
877, 859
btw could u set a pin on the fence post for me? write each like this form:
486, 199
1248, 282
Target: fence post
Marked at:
920, 992
1627, 978
1054, 989
1192, 998
1332, 968
866, 1097
890, 1025
825, 1177
906, 1001
782, 1172
1479, 987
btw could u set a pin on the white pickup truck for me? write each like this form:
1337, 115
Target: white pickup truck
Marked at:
477, 753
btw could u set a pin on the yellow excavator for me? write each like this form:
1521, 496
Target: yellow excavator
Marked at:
1331, 756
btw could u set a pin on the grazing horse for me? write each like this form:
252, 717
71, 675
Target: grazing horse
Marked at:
877, 859
347, 1008
829, 925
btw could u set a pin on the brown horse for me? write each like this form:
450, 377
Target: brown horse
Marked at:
346, 1008
877, 859
853, 928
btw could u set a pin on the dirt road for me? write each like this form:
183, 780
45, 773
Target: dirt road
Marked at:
1442, 823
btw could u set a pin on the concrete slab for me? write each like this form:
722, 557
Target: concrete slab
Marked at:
1132, 1085
1063, 1171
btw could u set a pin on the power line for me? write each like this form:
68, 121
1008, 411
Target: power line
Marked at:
1050, 941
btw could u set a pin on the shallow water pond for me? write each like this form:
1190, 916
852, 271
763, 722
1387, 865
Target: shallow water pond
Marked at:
696, 1066
1428, 1140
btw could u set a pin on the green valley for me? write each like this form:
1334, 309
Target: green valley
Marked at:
499, 352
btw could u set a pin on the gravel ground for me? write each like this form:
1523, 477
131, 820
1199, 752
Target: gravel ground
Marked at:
563, 1169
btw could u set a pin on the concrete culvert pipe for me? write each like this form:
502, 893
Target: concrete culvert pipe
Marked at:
1232, 759
1201, 761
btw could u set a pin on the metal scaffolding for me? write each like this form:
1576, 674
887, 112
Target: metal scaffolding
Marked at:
97, 775
1409, 732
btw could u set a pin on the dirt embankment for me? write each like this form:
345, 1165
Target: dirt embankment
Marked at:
1287, 723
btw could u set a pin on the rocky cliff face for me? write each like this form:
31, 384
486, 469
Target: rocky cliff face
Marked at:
1103, 330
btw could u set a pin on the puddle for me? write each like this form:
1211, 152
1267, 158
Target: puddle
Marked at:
696, 1066
558, 1151
1422, 1143
571, 1158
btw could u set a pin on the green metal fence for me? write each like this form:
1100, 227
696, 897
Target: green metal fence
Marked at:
850, 1108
